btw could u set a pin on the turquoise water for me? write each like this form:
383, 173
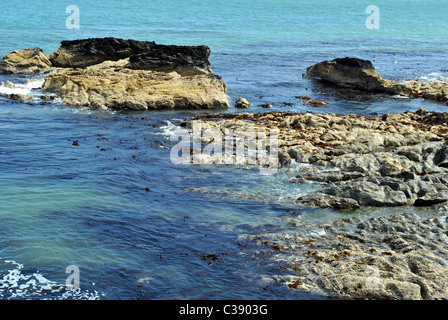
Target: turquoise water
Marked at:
64, 205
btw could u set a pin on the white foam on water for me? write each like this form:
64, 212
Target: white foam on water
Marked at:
433, 76
168, 129
31, 87
16, 284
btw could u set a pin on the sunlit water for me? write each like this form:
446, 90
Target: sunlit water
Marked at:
139, 226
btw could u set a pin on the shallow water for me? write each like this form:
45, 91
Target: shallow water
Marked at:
182, 238
63, 205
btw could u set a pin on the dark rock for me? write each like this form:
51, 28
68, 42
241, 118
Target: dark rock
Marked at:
430, 201
87, 52
19, 97
441, 157
185, 60
143, 55
356, 74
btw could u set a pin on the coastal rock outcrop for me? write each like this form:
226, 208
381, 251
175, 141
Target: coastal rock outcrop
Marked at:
86, 52
185, 60
111, 85
357, 74
143, 55
348, 162
118, 74
356, 161
361, 75
31, 60
400, 256
242, 103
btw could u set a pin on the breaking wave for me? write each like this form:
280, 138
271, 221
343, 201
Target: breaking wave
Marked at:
19, 284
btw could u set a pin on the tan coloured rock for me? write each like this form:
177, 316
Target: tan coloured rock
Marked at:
384, 161
110, 85
118, 74
25, 61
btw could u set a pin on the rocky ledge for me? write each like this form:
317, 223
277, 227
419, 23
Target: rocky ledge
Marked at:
399, 256
393, 169
361, 75
111, 73
355, 161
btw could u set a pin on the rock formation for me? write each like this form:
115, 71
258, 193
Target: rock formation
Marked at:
398, 161
402, 256
112, 85
25, 61
392, 160
118, 74
360, 74
242, 103
87, 52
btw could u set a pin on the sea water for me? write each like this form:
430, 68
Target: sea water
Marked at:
137, 226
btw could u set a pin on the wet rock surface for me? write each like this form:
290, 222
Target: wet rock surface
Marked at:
361, 75
395, 164
28, 61
392, 160
392, 257
242, 103
119, 74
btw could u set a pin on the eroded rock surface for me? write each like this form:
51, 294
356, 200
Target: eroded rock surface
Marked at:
25, 61
392, 160
119, 74
361, 75
112, 85
393, 167
393, 257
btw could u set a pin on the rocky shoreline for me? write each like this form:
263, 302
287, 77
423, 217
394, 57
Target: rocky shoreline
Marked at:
392, 160
400, 256
395, 161
358, 74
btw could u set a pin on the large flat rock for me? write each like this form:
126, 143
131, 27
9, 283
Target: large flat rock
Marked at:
119, 74
111, 85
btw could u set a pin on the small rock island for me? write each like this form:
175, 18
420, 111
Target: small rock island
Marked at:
118, 74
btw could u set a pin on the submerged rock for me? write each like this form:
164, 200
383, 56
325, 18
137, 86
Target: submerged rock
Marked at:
25, 61
19, 97
391, 257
